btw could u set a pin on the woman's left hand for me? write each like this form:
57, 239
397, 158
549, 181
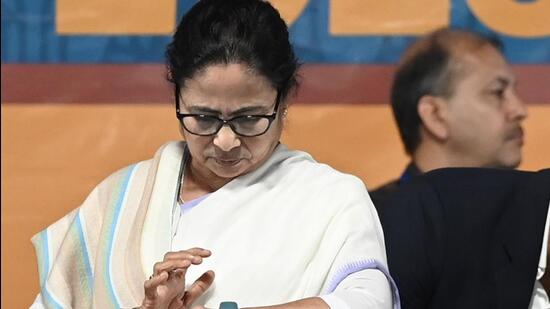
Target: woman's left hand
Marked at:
166, 288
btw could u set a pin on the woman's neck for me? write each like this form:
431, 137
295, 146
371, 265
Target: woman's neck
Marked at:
198, 182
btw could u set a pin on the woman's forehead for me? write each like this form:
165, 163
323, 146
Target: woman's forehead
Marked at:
227, 82
228, 75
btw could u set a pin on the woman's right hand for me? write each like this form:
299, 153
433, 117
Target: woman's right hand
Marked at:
166, 287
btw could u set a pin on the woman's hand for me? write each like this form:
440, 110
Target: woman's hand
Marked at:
166, 287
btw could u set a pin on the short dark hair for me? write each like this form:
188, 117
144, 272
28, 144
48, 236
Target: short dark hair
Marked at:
250, 32
425, 70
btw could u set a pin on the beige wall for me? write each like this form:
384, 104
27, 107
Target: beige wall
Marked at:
53, 155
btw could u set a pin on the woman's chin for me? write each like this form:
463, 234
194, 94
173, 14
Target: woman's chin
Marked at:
228, 169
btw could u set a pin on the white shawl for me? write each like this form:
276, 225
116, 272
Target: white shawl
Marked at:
291, 229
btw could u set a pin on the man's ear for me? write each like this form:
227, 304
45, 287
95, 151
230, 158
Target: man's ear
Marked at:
431, 110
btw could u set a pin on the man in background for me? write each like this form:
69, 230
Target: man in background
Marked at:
455, 103
453, 238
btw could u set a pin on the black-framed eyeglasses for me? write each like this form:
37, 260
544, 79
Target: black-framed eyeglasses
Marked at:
244, 125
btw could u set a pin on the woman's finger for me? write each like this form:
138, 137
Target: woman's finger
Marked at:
177, 303
152, 284
170, 265
199, 287
198, 252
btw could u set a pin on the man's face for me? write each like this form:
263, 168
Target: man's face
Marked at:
484, 113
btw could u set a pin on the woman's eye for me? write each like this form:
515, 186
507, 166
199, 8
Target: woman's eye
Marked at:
248, 121
205, 121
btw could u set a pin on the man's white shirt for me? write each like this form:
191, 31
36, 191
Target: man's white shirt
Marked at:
539, 299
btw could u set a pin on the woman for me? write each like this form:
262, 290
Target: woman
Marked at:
231, 214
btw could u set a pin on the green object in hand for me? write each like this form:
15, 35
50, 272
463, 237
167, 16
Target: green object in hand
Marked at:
229, 305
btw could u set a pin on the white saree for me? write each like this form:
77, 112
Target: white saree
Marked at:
291, 229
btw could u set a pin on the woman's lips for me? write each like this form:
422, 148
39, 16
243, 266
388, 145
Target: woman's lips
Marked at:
227, 162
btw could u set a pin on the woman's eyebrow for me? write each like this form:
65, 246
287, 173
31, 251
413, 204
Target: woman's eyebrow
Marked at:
254, 109
197, 109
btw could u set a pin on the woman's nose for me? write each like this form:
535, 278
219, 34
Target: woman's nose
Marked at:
226, 139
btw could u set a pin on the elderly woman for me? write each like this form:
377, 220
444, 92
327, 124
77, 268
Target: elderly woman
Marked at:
230, 214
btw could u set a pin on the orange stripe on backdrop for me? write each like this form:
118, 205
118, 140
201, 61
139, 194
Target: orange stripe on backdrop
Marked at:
373, 17
146, 83
106, 17
53, 155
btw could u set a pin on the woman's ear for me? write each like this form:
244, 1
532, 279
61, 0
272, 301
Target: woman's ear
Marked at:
431, 110
285, 112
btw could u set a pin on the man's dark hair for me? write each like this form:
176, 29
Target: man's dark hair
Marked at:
250, 32
425, 69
